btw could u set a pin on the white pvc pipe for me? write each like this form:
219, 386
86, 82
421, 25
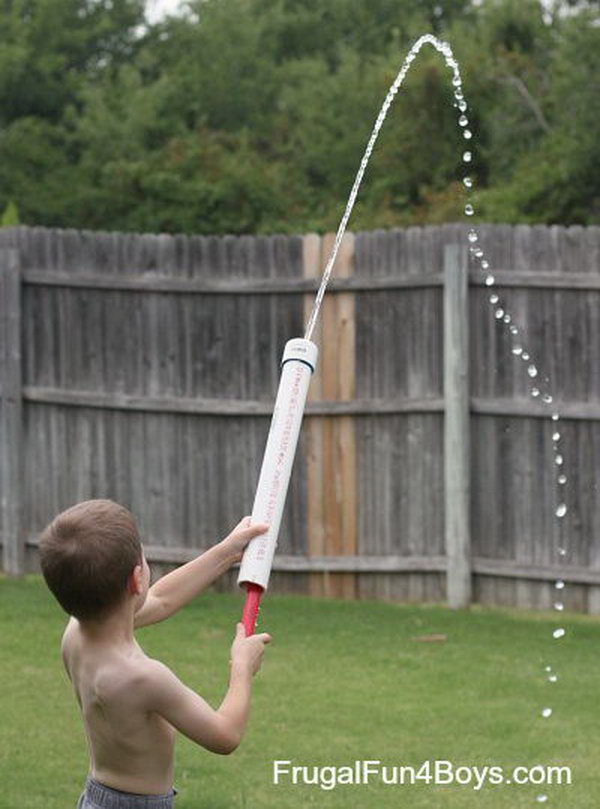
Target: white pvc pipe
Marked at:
298, 362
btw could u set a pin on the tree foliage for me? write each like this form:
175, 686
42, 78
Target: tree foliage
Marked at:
251, 116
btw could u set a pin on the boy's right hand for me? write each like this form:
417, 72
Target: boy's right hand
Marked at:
248, 651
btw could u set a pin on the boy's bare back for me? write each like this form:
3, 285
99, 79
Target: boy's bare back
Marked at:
131, 748
132, 705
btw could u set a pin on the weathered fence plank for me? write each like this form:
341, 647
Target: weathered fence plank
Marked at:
457, 484
269, 286
312, 430
11, 432
332, 464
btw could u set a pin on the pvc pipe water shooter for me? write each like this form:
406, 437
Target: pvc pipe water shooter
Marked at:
297, 365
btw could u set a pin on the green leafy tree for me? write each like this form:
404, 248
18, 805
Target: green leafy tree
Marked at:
10, 217
251, 116
559, 181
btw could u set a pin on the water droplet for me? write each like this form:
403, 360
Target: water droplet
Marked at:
489, 281
458, 95
547, 398
525, 356
468, 182
562, 551
556, 436
472, 237
532, 371
506, 318
552, 678
462, 106
535, 392
562, 479
478, 252
499, 313
559, 460
547, 712
558, 605
558, 633
559, 585
467, 157
463, 120
561, 510
517, 350
548, 668
469, 209
485, 265
541, 798
456, 81
494, 299
514, 330
467, 134
555, 417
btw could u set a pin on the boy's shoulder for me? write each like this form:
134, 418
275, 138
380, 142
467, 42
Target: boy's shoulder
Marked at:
134, 670
67, 641
72, 624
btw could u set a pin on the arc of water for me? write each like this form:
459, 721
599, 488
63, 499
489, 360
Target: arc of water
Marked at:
500, 312
445, 49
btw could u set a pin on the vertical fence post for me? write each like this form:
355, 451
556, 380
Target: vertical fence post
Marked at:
313, 429
11, 448
331, 444
456, 427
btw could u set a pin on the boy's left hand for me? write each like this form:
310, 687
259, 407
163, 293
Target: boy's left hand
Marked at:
241, 535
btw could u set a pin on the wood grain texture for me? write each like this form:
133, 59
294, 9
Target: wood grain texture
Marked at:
11, 416
332, 456
457, 438
149, 366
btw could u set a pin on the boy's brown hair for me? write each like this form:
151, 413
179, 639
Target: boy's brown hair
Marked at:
87, 553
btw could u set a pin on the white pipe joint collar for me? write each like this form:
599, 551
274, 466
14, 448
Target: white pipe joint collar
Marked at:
302, 350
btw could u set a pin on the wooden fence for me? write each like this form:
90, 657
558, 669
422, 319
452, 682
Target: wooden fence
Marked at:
144, 368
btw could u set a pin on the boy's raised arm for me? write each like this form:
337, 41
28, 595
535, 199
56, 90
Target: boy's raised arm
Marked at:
219, 731
184, 709
180, 586
152, 611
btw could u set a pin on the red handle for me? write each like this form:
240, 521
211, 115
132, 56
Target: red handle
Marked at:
250, 611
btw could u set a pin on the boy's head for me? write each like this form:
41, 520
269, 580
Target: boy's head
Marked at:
92, 559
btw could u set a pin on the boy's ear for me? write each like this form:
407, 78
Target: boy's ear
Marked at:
134, 580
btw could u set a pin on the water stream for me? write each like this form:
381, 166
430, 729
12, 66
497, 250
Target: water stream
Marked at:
539, 382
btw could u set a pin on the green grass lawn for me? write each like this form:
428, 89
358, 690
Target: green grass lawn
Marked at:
341, 681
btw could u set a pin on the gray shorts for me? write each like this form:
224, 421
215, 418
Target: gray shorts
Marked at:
99, 796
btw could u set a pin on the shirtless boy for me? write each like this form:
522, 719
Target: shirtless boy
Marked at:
93, 561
